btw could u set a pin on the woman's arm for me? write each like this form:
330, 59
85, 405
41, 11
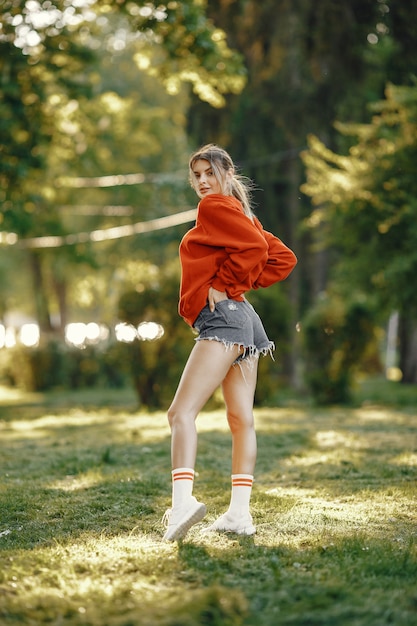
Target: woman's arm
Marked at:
281, 261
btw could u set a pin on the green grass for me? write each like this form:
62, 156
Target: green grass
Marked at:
85, 480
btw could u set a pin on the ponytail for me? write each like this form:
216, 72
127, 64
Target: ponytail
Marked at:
241, 189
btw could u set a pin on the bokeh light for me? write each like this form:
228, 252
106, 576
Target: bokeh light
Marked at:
125, 332
150, 331
29, 335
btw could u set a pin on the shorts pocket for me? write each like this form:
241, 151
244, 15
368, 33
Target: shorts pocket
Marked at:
232, 312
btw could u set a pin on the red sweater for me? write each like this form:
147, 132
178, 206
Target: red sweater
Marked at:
229, 252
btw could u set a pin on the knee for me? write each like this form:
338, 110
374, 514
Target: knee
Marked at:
172, 416
238, 422
178, 418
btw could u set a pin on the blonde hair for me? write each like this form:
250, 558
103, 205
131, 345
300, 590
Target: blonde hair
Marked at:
231, 185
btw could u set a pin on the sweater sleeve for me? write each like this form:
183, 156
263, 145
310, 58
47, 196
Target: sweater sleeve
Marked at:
246, 250
281, 260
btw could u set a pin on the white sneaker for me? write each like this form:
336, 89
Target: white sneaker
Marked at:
179, 520
228, 524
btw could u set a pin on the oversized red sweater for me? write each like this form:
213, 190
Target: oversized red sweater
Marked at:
230, 252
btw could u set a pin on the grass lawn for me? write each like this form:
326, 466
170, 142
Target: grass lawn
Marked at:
85, 481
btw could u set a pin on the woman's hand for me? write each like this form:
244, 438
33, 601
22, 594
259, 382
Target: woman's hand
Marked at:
215, 296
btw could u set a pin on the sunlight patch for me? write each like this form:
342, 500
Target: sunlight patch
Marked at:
313, 458
406, 458
284, 492
76, 483
8, 394
332, 438
368, 413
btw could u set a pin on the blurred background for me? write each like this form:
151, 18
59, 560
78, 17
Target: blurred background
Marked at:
102, 102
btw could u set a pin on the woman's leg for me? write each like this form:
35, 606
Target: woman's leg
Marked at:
207, 366
238, 391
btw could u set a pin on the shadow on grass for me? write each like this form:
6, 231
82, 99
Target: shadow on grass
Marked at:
319, 583
95, 470
83, 494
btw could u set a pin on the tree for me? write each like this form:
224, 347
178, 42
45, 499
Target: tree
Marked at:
367, 209
156, 366
58, 118
305, 64
309, 63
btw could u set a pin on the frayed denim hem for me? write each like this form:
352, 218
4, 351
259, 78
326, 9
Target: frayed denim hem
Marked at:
249, 353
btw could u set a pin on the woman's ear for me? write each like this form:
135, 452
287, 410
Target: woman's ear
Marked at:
229, 177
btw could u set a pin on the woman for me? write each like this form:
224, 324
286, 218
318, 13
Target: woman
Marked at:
226, 254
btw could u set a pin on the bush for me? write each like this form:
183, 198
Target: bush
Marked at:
53, 365
273, 307
336, 335
153, 368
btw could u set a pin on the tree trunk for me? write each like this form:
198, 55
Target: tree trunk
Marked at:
408, 349
294, 177
60, 287
41, 299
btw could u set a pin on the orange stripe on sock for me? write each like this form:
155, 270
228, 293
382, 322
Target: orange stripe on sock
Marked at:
242, 482
183, 476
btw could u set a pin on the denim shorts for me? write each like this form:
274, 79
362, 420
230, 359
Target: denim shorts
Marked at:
234, 323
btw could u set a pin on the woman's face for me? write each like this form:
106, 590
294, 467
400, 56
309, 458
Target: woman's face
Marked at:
205, 181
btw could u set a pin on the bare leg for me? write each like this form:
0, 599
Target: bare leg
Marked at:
238, 392
206, 368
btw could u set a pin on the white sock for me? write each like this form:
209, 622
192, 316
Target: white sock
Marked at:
182, 485
241, 493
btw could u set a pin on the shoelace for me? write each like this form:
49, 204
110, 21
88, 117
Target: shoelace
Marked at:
165, 518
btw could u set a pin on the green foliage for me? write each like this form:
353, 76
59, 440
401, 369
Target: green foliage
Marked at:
87, 91
49, 63
274, 310
367, 210
308, 64
156, 365
367, 200
196, 50
336, 333
377, 390
53, 365
81, 96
